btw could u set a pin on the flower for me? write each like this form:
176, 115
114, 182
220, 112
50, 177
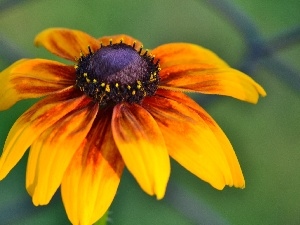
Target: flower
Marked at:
119, 105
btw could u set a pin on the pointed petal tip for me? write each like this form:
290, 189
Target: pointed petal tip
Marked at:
261, 91
240, 185
39, 202
160, 196
156, 189
220, 186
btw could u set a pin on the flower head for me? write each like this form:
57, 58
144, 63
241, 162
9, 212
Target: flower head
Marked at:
119, 105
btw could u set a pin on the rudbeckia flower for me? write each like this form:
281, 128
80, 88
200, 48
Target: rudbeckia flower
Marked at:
117, 105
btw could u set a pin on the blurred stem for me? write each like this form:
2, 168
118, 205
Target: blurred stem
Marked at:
260, 50
103, 220
11, 52
6, 4
285, 39
191, 206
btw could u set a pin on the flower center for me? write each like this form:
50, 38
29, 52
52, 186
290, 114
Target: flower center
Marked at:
117, 73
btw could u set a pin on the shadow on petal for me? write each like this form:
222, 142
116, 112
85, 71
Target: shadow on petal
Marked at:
190, 140
91, 180
56, 146
142, 147
33, 78
34, 121
237, 175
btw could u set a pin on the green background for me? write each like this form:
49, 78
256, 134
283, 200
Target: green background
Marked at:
259, 37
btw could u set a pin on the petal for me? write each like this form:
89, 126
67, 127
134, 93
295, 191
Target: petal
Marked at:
142, 147
66, 43
105, 40
33, 122
211, 80
183, 53
33, 78
91, 180
237, 175
56, 147
191, 141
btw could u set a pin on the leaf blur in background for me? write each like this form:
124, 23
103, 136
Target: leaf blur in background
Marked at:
262, 38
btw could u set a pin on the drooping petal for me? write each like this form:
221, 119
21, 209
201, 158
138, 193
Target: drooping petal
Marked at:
237, 175
192, 142
66, 43
114, 39
175, 54
56, 147
91, 181
142, 147
33, 78
34, 121
208, 79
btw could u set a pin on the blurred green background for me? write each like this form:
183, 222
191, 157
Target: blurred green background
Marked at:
261, 38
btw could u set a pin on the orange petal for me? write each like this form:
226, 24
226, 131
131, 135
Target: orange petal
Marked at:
56, 147
211, 80
33, 122
237, 175
66, 43
183, 53
142, 147
33, 78
191, 141
91, 181
105, 40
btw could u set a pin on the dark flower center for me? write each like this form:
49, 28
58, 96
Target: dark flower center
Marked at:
116, 73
